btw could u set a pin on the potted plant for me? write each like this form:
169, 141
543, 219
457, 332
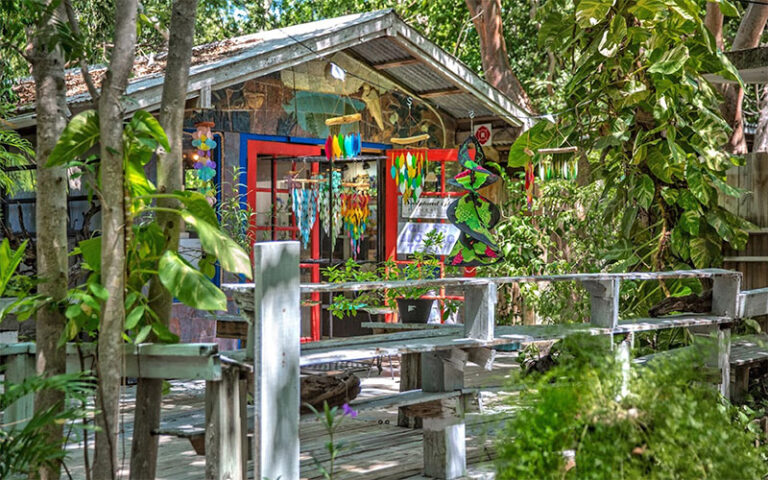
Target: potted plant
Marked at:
408, 301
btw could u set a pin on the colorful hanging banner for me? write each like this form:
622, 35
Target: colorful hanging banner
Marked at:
473, 214
304, 202
329, 205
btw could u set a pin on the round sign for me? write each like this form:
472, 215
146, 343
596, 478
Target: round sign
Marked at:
483, 134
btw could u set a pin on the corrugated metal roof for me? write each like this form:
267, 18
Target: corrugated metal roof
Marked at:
420, 78
374, 37
381, 50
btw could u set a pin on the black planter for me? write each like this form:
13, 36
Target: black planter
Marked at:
414, 310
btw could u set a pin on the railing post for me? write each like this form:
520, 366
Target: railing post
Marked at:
479, 311
725, 301
604, 300
276, 334
223, 440
445, 455
18, 368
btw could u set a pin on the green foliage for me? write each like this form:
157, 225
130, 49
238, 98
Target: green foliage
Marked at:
236, 215
25, 449
666, 425
331, 420
649, 124
14, 152
424, 266
147, 249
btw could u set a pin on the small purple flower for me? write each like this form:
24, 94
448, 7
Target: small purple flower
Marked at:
349, 410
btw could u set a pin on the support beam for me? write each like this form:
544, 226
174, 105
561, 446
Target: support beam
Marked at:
276, 328
224, 447
479, 311
396, 63
724, 361
440, 93
19, 368
445, 455
604, 299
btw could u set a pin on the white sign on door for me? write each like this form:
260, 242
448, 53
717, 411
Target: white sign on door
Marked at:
411, 237
428, 207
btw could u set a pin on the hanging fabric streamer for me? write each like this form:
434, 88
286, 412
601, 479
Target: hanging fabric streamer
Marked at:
409, 170
355, 212
204, 165
529, 183
473, 214
304, 204
329, 198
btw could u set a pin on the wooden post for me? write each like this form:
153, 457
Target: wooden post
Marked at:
223, 439
740, 384
604, 299
410, 379
445, 455
479, 311
276, 332
18, 368
725, 301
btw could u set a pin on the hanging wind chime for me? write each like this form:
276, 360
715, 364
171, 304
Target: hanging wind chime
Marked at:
304, 202
340, 146
355, 213
204, 165
473, 214
329, 204
409, 168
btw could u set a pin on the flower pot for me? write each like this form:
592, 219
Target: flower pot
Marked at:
414, 310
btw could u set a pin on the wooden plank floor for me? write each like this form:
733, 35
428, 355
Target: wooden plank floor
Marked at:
375, 447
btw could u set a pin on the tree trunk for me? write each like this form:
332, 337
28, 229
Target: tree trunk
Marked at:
169, 178
747, 36
761, 135
486, 15
113, 221
51, 221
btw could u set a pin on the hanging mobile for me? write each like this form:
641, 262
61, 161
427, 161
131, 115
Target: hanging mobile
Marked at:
204, 165
409, 166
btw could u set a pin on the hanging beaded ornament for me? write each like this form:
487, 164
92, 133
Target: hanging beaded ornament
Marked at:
355, 212
409, 170
205, 167
329, 198
473, 214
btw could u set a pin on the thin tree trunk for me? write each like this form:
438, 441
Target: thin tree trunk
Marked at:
169, 178
51, 221
747, 36
486, 15
761, 134
113, 257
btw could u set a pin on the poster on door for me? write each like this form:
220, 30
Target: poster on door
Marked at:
428, 207
411, 237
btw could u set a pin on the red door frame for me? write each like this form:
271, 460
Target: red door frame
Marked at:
392, 196
275, 149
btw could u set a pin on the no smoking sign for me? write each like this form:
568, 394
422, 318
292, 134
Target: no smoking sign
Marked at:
484, 133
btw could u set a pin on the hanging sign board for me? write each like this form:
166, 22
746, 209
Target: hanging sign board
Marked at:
484, 134
411, 237
428, 207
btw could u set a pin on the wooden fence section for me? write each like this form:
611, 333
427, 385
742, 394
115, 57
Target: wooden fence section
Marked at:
443, 352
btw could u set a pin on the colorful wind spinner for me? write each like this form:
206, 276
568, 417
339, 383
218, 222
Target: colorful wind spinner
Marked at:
343, 146
204, 165
329, 203
473, 214
409, 170
355, 212
304, 204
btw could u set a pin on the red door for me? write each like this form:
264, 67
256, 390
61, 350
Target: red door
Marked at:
269, 198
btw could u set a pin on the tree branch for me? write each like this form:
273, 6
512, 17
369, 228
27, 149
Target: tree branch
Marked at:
72, 18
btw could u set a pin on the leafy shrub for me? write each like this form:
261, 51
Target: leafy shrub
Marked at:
669, 425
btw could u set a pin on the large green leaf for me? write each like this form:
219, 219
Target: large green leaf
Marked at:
648, 10
187, 284
643, 191
90, 249
671, 61
612, 37
145, 125
525, 147
591, 12
80, 135
689, 221
9, 261
697, 184
704, 253
197, 204
230, 255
